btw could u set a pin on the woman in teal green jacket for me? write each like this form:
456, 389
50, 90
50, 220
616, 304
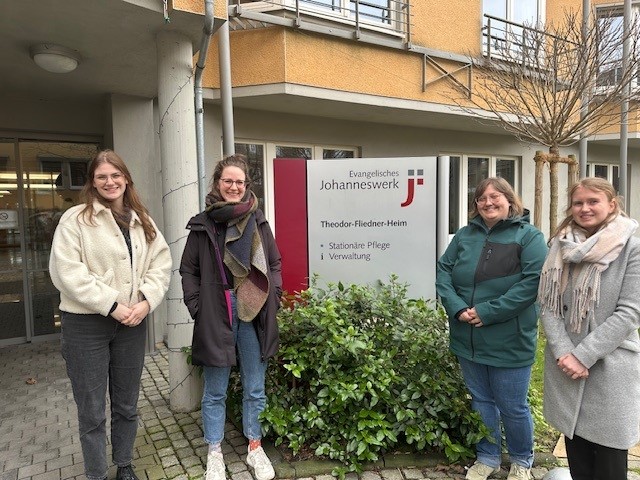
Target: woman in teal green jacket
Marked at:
487, 281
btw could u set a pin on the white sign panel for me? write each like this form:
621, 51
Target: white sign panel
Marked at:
8, 219
369, 218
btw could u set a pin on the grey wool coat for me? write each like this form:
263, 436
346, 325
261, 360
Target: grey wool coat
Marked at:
605, 407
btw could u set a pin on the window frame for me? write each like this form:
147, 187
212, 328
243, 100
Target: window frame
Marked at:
65, 170
462, 209
511, 8
605, 11
269, 152
510, 30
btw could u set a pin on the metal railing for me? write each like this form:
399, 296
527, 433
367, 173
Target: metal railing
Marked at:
394, 15
531, 47
611, 74
512, 41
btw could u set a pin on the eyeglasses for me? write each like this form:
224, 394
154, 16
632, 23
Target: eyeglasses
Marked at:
494, 197
104, 178
228, 182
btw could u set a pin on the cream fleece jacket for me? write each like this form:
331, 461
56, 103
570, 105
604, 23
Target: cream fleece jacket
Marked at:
90, 264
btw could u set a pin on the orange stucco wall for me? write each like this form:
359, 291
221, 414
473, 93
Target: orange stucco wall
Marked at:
197, 6
277, 54
449, 26
258, 58
557, 9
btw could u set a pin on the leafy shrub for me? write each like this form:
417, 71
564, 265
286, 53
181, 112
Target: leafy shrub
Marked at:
363, 370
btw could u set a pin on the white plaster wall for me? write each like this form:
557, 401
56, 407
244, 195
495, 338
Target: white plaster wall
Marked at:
382, 140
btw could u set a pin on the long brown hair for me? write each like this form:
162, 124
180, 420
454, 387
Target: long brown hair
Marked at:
131, 199
501, 185
595, 184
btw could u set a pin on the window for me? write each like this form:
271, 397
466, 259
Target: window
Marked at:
255, 159
465, 172
524, 12
260, 158
505, 33
69, 174
611, 22
608, 172
337, 153
368, 11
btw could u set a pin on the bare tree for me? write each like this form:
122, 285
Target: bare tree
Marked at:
534, 81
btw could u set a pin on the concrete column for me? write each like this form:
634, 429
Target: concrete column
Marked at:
134, 138
176, 114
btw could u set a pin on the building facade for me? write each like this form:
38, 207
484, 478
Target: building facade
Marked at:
312, 79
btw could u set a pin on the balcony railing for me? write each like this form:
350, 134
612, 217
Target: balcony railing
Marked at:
510, 41
387, 16
611, 74
540, 50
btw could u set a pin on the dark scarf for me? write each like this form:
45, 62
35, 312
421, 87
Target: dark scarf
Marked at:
243, 253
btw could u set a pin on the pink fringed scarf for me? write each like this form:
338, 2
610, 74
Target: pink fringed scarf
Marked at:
586, 258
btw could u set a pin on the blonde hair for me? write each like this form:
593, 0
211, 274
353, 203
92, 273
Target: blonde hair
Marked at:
595, 184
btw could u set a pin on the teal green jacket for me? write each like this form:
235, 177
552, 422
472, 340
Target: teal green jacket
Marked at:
496, 271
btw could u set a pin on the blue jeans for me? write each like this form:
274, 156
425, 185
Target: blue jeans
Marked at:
252, 374
100, 352
501, 394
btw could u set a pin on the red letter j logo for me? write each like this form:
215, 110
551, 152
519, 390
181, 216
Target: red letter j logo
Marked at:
411, 183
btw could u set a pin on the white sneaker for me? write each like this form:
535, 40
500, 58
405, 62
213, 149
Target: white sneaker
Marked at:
215, 467
518, 472
480, 471
261, 464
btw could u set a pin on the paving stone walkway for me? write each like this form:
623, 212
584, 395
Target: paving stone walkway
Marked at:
39, 438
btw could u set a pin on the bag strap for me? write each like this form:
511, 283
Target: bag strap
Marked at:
227, 288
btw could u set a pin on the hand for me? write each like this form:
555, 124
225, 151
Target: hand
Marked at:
137, 313
572, 367
471, 317
121, 312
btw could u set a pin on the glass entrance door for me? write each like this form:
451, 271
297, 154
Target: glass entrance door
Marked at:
12, 286
43, 179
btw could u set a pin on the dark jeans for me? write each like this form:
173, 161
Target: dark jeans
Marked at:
100, 351
590, 461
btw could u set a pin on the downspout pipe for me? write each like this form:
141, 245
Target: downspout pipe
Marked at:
584, 108
207, 32
224, 51
624, 110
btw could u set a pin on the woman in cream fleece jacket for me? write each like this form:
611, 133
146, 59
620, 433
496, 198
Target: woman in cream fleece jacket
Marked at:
112, 267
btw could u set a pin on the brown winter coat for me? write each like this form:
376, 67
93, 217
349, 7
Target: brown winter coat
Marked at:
202, 285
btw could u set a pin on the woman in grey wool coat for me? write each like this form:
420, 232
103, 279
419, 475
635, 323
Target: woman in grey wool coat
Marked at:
590, 300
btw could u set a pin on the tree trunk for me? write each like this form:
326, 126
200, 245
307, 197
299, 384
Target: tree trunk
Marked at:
539, 182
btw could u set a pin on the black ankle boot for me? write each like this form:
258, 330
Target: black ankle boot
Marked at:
126, 473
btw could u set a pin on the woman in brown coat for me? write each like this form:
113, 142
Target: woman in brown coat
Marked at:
232, 286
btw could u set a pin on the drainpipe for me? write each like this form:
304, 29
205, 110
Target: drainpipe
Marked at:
224, 51
624, 113
584, 108
207, 32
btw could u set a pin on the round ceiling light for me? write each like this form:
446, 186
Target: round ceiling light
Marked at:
54, 58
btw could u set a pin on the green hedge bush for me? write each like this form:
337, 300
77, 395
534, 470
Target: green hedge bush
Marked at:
364, 370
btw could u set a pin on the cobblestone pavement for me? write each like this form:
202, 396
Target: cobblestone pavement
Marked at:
39, 438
